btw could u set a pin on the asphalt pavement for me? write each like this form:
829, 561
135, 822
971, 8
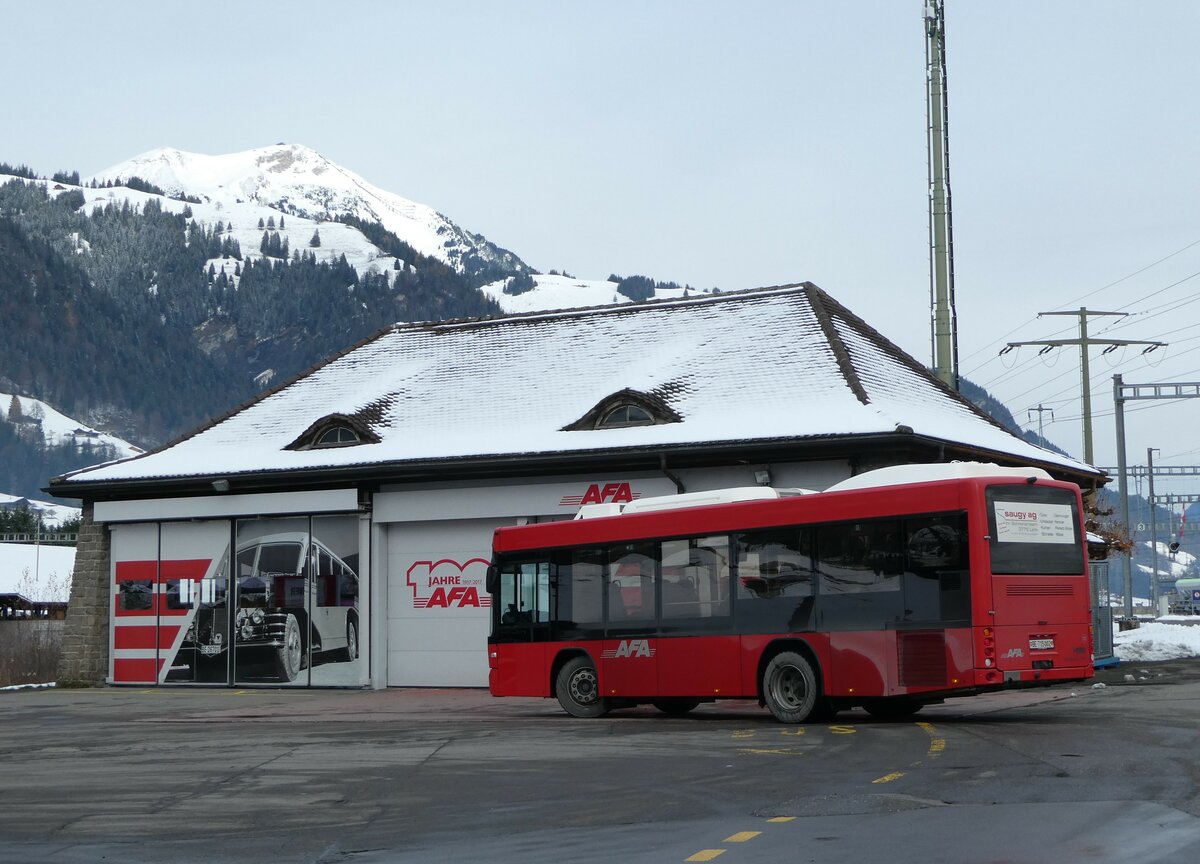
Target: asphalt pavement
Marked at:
1094, 772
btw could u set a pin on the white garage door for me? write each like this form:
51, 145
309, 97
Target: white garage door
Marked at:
438, 606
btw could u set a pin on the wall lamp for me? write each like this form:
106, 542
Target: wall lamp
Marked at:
762, 476
221, 485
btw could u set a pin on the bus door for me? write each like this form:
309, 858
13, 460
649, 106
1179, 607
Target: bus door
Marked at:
628, 667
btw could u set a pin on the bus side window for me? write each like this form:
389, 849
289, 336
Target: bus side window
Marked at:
775, 563
695, 578
629, 582
937, 579
579, 609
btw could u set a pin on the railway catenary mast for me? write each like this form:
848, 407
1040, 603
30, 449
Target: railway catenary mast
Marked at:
944, 322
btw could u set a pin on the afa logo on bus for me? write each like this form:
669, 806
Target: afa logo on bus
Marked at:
628, 648
448, 584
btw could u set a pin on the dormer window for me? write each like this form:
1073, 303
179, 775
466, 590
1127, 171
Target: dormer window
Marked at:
335, 430
625, 415
624, 409
338, 436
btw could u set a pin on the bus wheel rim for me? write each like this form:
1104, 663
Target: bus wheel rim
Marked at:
583, 686
790, 687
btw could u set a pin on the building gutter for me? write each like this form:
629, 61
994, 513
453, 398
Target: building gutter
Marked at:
903, 445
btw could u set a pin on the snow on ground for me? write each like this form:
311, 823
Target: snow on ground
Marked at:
38, 573
555, 292
1169, 638
53, 515
58, 429
552, 292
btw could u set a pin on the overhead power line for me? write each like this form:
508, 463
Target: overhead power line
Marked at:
1084, 343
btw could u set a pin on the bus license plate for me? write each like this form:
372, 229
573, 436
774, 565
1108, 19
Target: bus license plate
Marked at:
1041, 644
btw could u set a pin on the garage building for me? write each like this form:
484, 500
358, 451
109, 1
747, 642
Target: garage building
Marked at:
336, 530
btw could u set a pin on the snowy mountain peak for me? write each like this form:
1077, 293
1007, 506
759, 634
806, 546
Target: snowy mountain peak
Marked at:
298, 181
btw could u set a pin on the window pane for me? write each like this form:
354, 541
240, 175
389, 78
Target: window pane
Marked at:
580, 610
181, 593
860, 557
937, 579
508, 624
774, 564
136, 595
1034, 530
279, 559
631, 584
776, 581
859, 566
626, 415
695, 578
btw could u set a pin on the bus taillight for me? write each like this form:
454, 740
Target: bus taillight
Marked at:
989, 647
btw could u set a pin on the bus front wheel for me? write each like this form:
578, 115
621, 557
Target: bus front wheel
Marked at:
578, 689
790, 688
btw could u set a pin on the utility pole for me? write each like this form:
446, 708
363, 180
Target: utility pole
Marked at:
1084, 342
1040, 411
1153, 535
944, 323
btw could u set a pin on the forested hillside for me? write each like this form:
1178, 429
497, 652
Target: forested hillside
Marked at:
144, 321
113, 317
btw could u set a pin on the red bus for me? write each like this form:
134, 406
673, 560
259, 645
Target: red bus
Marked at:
892, 590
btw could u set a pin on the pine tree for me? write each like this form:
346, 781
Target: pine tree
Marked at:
271, 222
260, 222
14, 410
316, 239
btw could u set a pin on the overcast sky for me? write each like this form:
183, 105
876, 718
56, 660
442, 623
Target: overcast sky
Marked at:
715, 144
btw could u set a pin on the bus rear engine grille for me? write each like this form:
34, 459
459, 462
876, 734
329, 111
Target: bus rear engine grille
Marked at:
1042, 590
922, 659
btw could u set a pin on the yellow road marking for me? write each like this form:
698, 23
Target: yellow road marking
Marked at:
782, 819
742, 836
936, 744
842, 730
888, 778
797, 733
705, 855
744, 733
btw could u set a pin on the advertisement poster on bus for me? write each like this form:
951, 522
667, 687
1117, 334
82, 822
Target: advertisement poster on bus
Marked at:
1026, 522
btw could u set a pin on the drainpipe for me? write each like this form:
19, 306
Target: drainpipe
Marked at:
662, 466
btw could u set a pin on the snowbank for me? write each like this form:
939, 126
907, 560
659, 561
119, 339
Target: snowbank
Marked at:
1158, 641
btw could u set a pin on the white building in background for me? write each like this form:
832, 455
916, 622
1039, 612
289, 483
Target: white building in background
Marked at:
336, 530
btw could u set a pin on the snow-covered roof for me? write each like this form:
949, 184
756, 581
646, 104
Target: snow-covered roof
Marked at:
785, 364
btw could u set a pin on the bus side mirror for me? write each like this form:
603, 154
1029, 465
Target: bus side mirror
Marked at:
492, 579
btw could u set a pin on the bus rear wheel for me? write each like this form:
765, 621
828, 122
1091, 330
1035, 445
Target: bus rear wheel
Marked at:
789, 687
675, 707
578, 689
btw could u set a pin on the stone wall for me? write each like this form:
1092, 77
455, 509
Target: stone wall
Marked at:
85, 638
